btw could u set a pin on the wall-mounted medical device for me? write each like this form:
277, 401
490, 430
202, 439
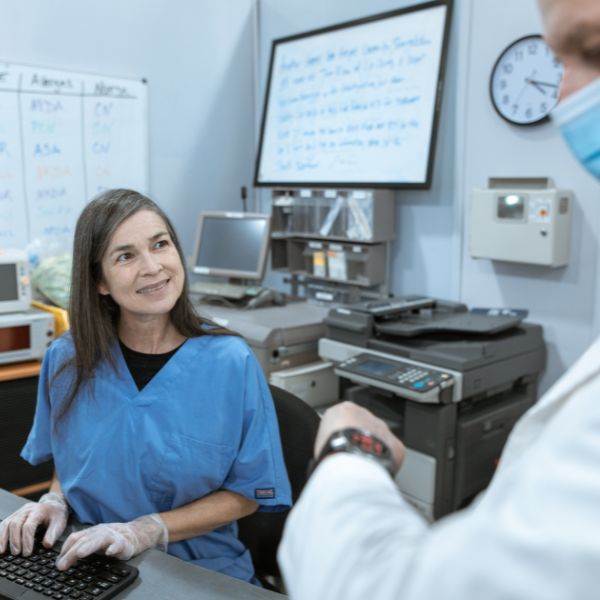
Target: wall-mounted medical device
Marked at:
15, 286
523, 220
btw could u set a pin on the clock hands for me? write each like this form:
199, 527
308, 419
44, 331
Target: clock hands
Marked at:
538, 84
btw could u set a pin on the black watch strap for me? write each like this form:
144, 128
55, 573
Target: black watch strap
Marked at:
356, 441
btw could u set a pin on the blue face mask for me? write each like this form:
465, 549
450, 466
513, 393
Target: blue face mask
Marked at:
579, 120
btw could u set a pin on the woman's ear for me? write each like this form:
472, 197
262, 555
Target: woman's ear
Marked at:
102, 289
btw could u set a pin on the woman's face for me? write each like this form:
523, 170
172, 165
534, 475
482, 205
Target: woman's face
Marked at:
141, 268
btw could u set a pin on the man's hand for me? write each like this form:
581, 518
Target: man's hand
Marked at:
348, 414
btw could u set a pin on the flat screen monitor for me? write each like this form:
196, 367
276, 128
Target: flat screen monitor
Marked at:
356, 104
232, 244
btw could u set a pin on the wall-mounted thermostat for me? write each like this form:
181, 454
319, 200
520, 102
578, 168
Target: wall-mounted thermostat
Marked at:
524, 220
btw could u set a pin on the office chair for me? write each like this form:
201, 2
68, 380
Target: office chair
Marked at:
261, 531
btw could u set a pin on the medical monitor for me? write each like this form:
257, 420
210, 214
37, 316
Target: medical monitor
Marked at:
356, 104
15, 287
232, 244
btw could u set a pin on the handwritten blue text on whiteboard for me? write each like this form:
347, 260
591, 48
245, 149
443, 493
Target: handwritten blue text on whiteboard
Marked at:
64, 137
354, 104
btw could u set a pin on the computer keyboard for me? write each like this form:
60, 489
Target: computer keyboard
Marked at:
35, 577
235, 291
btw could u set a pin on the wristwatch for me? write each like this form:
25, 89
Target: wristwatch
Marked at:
356, 441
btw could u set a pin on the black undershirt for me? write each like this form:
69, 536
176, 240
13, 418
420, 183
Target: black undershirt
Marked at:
143, 367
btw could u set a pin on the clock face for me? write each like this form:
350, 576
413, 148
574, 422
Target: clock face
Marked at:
525, 81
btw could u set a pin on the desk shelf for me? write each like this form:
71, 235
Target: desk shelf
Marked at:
334, 237
355, 215
18, 391
363, 265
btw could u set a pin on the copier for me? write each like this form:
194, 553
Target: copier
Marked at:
450, 383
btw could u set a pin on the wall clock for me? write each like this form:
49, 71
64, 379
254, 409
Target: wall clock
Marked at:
525, 81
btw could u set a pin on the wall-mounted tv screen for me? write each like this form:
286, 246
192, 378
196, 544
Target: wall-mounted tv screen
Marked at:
356, 104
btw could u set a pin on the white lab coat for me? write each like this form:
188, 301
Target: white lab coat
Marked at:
533, 534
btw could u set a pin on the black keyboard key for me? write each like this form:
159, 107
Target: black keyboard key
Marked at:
119, 572
93, 578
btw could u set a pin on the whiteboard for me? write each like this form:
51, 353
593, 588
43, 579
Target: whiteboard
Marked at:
356, 103
64, 138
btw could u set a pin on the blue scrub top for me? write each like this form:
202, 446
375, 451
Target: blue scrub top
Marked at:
205, 422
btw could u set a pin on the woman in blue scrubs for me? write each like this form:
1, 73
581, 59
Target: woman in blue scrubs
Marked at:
161, 425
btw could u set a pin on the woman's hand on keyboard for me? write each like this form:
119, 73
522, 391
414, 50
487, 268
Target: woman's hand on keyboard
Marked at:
18, 530
120, 540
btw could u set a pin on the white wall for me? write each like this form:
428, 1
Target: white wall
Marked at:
431, 250
563, 300
198, 58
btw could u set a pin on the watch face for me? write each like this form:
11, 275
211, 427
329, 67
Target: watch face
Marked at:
525, 81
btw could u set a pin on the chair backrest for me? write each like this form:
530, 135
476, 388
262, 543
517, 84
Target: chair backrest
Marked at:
261, 531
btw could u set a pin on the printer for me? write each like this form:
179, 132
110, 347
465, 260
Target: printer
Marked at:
280, 336
450, 383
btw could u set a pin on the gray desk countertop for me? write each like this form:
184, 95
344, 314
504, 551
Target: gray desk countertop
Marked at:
163, 577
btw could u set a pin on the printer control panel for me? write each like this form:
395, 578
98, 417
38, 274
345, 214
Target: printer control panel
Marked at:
406, 379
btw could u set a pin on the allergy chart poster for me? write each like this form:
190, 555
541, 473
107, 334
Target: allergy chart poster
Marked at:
64, 138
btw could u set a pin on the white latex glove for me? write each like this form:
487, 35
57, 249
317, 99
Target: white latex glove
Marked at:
121, 540
19, 528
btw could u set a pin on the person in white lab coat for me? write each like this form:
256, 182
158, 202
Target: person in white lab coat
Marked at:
534, 533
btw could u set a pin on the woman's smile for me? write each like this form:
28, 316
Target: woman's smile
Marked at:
153, 288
